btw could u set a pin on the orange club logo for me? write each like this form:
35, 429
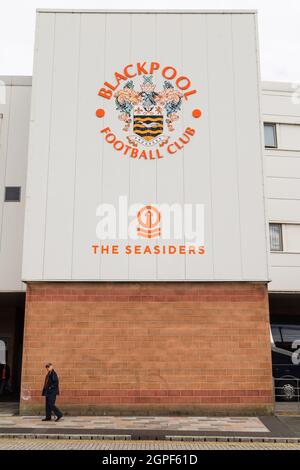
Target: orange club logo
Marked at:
148, 99
149, 219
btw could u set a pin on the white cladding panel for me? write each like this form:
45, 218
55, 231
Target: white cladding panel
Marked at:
275, 104
14, 128
281, 99
283, 188
283, 210
282, 176
289, 136
285, 167
292, 238
72, 169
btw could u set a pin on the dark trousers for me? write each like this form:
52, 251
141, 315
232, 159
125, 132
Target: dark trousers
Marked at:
50, 406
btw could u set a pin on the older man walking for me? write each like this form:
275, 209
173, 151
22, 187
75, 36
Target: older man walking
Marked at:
50, 391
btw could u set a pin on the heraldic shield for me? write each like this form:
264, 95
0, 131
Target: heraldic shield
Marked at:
148, 127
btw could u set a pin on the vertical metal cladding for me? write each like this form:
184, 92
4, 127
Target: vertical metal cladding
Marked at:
15, 95
161, 109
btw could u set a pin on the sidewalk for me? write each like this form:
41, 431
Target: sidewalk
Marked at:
153, 427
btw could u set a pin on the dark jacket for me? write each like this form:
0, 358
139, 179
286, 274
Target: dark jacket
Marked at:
7, 371
51, 386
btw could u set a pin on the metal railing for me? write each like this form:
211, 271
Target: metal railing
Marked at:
287, 394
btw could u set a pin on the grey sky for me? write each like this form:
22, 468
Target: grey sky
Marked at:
279, 29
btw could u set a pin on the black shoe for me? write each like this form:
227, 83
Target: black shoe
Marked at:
58, 418
46, 419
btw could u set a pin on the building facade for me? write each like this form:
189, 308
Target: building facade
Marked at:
282, 176
15, 93
280, 105
153, 321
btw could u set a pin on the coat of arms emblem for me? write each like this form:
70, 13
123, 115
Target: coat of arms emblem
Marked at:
148, 113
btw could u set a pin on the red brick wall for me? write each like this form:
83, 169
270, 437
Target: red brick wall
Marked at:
149, 347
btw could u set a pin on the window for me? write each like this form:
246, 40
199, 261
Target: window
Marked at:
276, 237
290, 334
2, 352
270, 135
276, 334
12, 194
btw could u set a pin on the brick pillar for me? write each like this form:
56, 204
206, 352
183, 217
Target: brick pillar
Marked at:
149, 348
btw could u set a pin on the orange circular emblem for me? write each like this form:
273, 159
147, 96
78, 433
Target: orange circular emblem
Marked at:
100, 112
197, 113
148, 217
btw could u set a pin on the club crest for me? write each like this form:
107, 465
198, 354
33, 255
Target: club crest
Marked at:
148, 115
145, 101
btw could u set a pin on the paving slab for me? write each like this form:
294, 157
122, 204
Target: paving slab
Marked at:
147, 428
192, 423
37, 444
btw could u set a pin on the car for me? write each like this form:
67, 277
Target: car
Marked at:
285, 345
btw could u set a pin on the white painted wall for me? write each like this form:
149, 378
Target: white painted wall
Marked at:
71, 170
281, 105
282, 169
14, 127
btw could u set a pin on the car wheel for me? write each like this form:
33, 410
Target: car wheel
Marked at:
287, 390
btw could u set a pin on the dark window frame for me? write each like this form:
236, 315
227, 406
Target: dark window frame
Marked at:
9, 197
274, 126
280, 236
